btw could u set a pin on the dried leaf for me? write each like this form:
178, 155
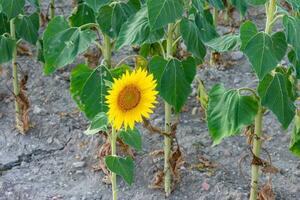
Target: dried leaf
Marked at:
270, 169
23, 50
92, 57
157, 181
266, 192
157, 153
176, 161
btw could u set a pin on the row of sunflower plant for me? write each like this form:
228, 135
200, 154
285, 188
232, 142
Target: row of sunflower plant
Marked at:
114, 97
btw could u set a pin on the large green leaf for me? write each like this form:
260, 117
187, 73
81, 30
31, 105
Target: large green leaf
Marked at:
137, 31
174, 87
27, 27
81, 15
62, 44
295, 4
132, 137
98, 123
192, 38
4, 24
274, 91
206, 26
295, 138
279, 45
218, 4
257, 2
123, 167
263, 53
247, 31
228, 112
12, 7
189, 68
292, 30
240, 5
96, 4
112, 17
295, 62
7, 46
163, 12
224, 43
89, 88
157, 66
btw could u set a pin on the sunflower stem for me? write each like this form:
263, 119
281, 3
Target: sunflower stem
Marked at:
256, 149
52, 9
168, 110
107, 50
113, 153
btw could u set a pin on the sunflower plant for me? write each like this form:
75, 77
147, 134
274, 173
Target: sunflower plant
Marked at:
231, 110
17, 26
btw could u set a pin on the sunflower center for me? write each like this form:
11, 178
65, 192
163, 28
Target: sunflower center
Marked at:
129, 98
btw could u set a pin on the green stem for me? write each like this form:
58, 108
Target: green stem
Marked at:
270, 12
113, 153
107, 50
15, 76
52, 9
257, 143
168, 110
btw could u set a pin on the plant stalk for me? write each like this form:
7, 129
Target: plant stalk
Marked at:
256, 149
270, 12
52, 9
107, 50
15, 77
113, 153
168, 110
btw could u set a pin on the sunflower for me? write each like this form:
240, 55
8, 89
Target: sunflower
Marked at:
131, 98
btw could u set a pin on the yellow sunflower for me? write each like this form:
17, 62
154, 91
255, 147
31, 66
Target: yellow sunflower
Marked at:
131, 97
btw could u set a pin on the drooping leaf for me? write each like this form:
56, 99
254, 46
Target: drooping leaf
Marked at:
88, 88
123, 167
295, 138
218, 4
224, 43
199, 5
96, 4
295, 62
137, 31
192, 38
157, 66
295, 4
257, 2
292, 30
36, 4
240, 5
163, 12
4, 24
99, 123
274, 91
205, 26
12, 7
7, 46
228, 112
174, 87
81, 15
132, 137
27, 27
279, 45
262, 54
189, 67
117, 72
247, 31
62, 44
111, 17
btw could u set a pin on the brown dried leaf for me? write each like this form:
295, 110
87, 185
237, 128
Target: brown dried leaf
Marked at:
157, 153
44, 19
204, 163
266, 192
92, 57
23, 50
176, 161
157, 181
270, 169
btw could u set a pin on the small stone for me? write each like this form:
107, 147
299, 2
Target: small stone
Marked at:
237, 55
79, 164
297, 173
236, 80
79, 172
50, 140
194, 110
37, 110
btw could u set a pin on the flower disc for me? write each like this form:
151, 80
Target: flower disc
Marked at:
131, 98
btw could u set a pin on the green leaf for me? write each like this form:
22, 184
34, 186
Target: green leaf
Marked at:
132, 137
224, 43
174, 87
7, 46
295, 138
99, 123
218, 4
257, 2
96, 4
205, 25
136, 31
12, 7
163, 12
292, 30
117, 72
275, 95
247, 31
192, 38
295, 4
4, 24
123, 167
228, 112
112, 17
88, 88
36, 4
261, 53
240, 5
156, 67
40, 50
199, 5
81, 15
279, 45
62, 44
27, 27
295, 62
189, 67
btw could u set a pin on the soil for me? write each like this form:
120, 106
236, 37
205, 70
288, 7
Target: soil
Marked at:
55, 159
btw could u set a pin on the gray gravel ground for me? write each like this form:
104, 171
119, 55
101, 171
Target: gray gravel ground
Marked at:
55, 159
